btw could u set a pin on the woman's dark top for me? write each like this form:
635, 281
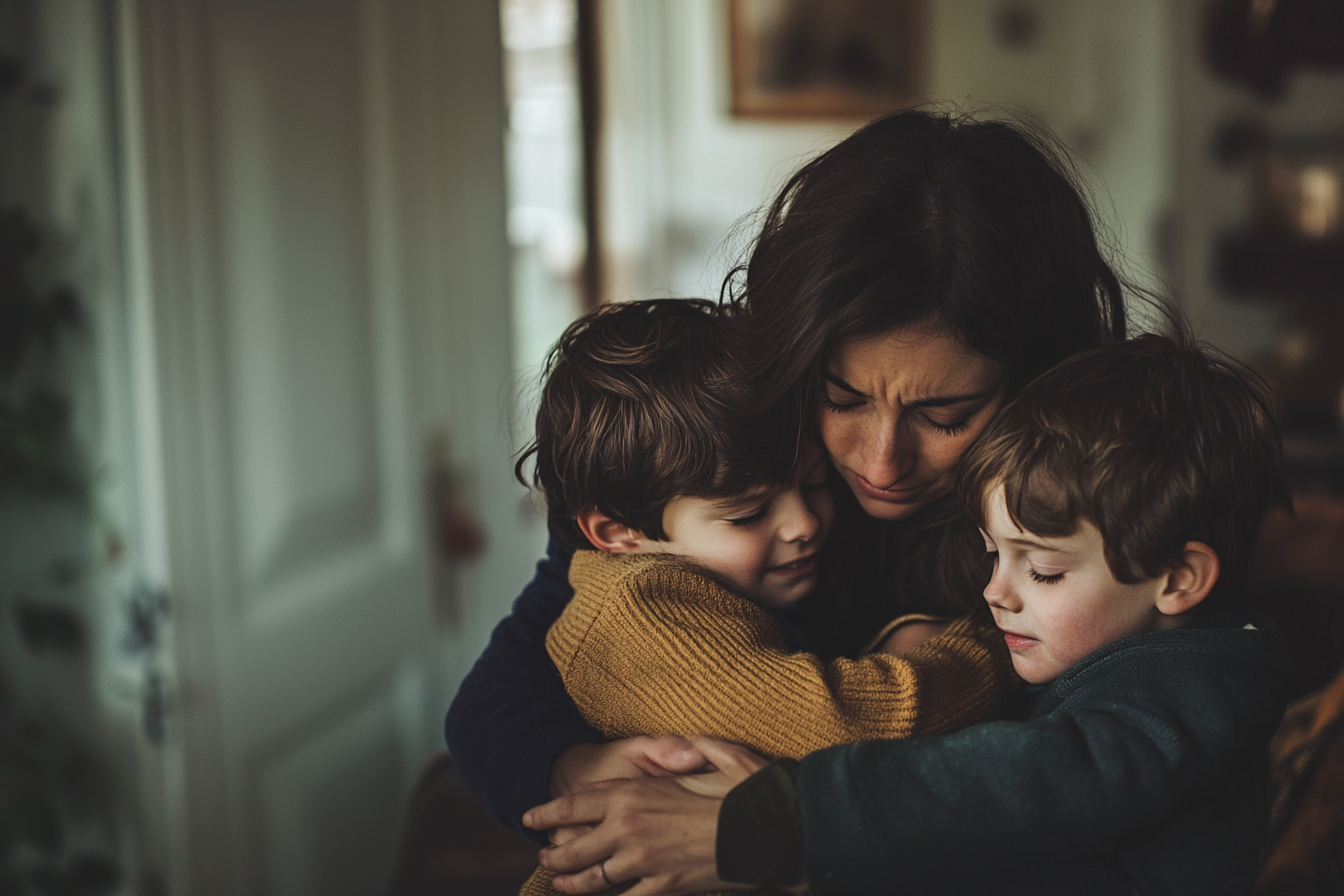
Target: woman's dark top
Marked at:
511, 716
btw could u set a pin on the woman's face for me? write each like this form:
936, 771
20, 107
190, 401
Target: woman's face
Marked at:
899, 409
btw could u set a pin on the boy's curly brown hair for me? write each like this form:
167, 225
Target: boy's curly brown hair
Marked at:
646, 401
1156, 441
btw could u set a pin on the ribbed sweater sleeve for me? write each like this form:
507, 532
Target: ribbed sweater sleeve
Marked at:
511, 715
652, 646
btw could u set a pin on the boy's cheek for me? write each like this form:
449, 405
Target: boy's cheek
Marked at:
824, 510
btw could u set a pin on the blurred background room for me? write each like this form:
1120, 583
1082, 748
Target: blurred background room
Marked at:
276, 280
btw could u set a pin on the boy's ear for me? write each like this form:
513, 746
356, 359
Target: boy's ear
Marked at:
1191, 580
607, 535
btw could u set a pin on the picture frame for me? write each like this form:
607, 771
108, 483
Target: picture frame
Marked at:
825, 59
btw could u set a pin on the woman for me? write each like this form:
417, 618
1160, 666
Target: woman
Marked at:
906, 282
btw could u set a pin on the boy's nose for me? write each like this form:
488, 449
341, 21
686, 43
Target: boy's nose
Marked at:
999, 595
800, 523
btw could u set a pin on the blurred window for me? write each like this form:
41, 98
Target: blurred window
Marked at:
544, 145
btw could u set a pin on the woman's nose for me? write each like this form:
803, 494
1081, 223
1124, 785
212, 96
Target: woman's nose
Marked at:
891, 455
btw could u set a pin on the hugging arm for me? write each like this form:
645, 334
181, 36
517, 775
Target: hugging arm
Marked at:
667, 650
1126, 756
511, 717
1109, 763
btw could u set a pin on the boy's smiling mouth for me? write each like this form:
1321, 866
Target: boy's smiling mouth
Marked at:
803, 566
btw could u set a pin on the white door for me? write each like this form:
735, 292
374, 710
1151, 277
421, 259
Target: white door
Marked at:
316, 245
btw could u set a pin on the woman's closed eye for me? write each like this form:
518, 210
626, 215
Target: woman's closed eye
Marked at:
839, 407
954, 428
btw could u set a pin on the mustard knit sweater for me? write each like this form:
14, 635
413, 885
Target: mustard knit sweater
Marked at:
653, 645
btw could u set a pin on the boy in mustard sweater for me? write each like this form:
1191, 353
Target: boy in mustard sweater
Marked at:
696, 519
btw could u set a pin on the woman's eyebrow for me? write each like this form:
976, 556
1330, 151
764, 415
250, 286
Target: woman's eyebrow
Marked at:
938, 401
841, 384
943, 401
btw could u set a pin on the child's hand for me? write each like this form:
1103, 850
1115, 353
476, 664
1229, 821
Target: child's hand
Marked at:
909, 636
581, 765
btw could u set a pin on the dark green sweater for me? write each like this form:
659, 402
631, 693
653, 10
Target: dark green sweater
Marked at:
1142, 769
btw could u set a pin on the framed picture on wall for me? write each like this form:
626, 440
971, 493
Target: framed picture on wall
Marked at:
825, 58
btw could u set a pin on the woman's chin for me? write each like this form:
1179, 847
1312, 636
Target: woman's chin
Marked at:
888, 510
896, 508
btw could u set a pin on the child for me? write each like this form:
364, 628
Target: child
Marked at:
1121, 495
702, 521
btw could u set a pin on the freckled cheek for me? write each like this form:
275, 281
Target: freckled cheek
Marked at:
836, 436
944, 457
940, 462
1072, 638
853, 440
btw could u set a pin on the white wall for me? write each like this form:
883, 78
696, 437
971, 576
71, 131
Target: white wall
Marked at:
680, 171
1121, 82
1211, 200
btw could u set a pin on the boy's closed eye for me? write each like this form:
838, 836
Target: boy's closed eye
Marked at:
752, 518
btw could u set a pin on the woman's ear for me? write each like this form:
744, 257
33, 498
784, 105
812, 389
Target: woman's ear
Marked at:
1191, 580
607, 535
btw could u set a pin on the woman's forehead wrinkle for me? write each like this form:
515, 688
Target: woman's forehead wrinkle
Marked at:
911, 368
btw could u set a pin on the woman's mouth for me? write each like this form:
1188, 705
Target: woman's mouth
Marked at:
891, 495
798, 569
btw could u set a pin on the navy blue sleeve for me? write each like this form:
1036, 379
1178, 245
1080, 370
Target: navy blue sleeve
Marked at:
1149, 761
511, 716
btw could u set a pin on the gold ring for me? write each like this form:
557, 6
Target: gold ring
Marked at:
602, 866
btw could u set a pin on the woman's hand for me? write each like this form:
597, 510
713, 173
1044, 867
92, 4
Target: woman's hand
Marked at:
660, 830
911, 635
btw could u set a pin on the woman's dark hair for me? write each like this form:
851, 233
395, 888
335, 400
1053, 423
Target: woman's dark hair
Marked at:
928, 216
923, 215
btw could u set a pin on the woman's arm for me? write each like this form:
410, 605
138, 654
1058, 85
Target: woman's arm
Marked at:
671, 821
511, 717
906, 633
1122, 757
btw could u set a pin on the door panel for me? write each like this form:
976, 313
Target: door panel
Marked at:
286, 161
302, 816
291, 179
